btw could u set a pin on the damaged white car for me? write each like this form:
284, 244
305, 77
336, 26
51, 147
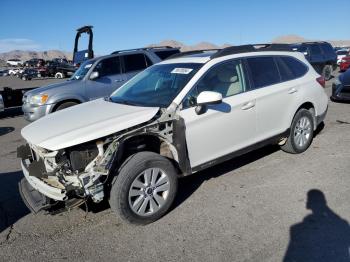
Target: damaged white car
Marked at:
173, 119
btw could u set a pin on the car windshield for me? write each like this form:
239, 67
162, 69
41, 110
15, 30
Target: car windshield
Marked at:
82, 70
343, 52
157, 86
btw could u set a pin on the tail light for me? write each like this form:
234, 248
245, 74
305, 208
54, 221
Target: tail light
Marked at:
322, 81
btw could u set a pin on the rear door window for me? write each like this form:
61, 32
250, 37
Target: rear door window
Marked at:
297, 67
327, 49
263, 71
109, 66
315, 50
285, 71
135, 62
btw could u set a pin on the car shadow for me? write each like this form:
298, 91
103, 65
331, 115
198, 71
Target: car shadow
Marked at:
12, 207
322, 236
188, 185
5, 130
319, 129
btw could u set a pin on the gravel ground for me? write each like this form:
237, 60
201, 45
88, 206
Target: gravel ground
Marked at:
252, 208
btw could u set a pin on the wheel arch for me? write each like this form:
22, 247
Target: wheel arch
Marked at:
310, 107
75, 100
149, 142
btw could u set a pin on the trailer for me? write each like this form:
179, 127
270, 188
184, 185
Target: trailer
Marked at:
83, 55
12, 97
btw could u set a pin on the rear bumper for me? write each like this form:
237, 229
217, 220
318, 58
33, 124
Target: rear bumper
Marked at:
320, 118
340, 93
340, 98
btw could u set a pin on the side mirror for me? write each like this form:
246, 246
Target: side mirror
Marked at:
305, 53
94, 75
207, 98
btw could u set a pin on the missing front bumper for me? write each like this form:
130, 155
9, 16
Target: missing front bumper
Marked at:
39, 185
36, 202
33, 199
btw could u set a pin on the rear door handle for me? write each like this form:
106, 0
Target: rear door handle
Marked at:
292, 91
248, 105
119, 80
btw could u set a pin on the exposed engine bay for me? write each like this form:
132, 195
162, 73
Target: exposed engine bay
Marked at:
85, 171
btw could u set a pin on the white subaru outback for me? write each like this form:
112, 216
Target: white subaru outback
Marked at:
174, 119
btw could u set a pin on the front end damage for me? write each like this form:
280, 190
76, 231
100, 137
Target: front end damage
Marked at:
57, 181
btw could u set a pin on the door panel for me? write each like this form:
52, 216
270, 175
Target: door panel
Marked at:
226, 127
273, 97
223, 129
110, 78
273, 106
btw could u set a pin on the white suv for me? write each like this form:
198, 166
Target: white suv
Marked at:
173, 119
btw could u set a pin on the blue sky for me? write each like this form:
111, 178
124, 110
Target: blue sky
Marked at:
43, 25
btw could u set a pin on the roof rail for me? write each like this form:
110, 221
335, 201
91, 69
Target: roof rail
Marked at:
162, 46
193, 52
311, 42
251, 48
142, 48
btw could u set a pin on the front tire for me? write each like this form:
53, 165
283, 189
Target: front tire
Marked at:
65, 105
144, 189
301, 133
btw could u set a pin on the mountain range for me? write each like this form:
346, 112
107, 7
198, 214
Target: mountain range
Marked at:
50, 54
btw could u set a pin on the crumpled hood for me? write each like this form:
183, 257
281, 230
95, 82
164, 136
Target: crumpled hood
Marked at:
85, 122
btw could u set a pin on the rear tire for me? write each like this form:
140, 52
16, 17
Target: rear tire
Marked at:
65, 105
327, 72
144, 189
301, 133
59, 75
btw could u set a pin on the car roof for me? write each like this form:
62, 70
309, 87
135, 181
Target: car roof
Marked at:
114, 54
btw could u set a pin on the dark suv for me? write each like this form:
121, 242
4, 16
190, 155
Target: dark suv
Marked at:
321, 56
35, 62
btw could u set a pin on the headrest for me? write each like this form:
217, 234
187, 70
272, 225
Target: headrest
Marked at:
227, 76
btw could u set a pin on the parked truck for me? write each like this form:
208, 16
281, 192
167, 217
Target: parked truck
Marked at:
11, 97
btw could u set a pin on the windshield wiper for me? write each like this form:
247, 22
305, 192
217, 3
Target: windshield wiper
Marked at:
123, 101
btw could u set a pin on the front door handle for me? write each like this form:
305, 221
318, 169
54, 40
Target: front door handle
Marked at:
292, 90
248, 105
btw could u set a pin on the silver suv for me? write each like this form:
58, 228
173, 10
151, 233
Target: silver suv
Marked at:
95, 78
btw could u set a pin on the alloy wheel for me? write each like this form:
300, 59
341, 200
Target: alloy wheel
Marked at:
149, 191
302, 132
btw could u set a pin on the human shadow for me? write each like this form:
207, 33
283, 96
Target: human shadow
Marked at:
321, 236
12, 207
